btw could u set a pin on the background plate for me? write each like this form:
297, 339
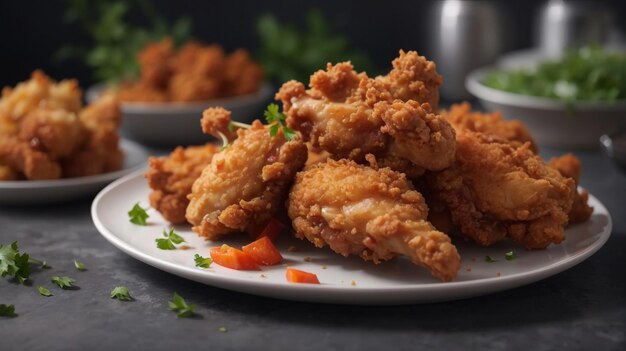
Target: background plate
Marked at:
35, 192
343, 280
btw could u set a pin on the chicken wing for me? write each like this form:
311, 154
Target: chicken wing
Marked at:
495, 190
372, 213
245, 184
171, 178
33, 164
350, 115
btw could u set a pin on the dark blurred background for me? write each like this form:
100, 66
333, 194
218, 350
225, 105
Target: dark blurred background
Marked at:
34, 30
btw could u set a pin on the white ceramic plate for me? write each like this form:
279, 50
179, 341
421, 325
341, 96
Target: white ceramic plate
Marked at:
343, 280
33, 192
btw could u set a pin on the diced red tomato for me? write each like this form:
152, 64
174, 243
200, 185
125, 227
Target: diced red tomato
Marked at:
263, 252
298, 276
233, 258
272, 230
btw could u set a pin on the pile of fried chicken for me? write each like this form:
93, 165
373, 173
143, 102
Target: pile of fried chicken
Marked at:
47, 133
374, 170
195, 72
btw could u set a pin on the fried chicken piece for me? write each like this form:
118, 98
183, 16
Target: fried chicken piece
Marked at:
495, 190
569, 166
461, 116
37, 92
171, 178
101, 152
241, 74
33, 164
246, 184
154, 60
350, 115
58, 133
373, 213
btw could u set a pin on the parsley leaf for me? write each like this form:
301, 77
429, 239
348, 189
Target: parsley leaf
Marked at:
63, 282
7, 310
41, 264
510, 256
203, 262
488, 259
138, 215
170, 238
277, 120
179, 305
80, 266
14, 264
121, 293
222, 329
43, 291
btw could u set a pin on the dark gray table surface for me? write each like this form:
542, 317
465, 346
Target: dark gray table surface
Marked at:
582, 308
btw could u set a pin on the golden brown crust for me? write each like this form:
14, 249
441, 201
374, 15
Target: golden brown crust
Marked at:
196, 72
495, 190
350, 115
372, 213
569, 166
244, 185
50, 135
171, 178
462, 117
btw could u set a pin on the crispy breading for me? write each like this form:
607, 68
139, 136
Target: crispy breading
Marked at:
461, 116
245, 184
171, 178
569, 166
495, 190
350, 115
372, 213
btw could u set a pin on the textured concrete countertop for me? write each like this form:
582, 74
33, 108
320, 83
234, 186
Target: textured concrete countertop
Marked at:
582, 308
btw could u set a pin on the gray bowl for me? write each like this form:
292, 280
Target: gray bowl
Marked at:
175, 123
551, 122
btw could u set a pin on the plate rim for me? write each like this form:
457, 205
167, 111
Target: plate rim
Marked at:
495, 284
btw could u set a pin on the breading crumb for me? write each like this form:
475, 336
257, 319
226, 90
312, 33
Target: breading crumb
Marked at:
353, 283
262, 276
292, 249
498, 274
307, 259
324, 267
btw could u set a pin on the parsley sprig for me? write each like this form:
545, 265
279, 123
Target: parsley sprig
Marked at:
277, 120
203, 262
138, 215
43, 291
121, 293
510, 256
13, 263
7, 311
63, 282
80, 266
171, 238
179, 305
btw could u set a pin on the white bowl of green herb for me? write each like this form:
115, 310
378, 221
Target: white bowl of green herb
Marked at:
566, 102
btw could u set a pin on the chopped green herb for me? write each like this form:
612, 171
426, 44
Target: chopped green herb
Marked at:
79, 265
138, 215
488, 259
277, 120
222, 329
14, 264
588, 74
510, 256
43, 291
203, 262
169, 240
63, 282
179, 305
121, 293
7, 311
224, 147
